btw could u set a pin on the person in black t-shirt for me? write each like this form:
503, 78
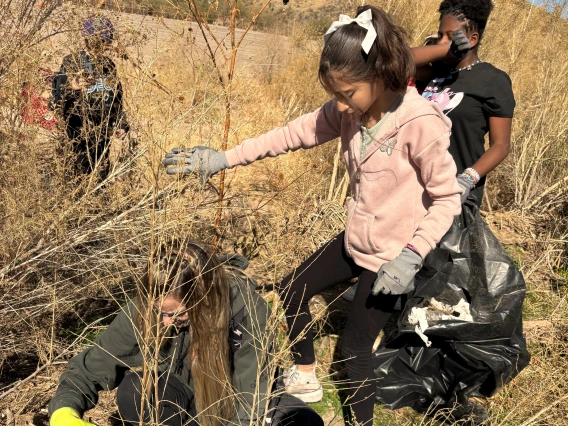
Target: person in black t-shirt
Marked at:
478, 98
475, 95
88, 96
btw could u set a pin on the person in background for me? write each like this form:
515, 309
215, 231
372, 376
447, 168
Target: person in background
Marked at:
475, 95
88, 97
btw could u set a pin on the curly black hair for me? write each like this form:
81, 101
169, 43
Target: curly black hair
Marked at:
474, 13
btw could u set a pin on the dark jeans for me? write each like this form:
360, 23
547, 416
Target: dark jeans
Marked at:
328, 266
177, 406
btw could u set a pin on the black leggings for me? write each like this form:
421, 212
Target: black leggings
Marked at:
177, 405
328, 266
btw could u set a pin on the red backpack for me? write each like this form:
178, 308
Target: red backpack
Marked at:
35, 107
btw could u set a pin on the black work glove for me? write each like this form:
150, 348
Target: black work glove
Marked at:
460, 45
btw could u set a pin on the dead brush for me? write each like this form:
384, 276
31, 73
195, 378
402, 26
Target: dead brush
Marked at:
93, 237
71, 249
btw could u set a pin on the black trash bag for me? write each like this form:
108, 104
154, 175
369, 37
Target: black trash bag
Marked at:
466, 358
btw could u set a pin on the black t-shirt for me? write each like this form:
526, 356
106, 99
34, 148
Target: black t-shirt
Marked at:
469, 98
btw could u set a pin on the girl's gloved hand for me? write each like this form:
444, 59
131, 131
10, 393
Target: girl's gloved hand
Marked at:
460, 45
466, 184
66, 416
200, 159
397, 276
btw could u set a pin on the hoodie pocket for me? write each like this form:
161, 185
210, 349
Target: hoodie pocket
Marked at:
359, 232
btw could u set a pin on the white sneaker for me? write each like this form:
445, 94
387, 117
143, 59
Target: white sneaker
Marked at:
349, 295
304, 386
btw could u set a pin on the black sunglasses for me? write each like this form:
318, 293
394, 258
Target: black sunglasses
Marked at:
174, 317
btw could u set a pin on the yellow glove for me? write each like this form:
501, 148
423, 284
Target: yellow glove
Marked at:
66, 416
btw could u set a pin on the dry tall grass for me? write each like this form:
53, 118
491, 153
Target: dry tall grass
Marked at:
71, 248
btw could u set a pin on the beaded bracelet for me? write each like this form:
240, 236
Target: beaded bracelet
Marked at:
471, 172
470, 178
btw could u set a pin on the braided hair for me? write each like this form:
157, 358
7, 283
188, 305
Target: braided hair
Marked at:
473, 13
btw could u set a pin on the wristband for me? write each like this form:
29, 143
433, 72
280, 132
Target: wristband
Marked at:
469, 178
473, 173
414, 249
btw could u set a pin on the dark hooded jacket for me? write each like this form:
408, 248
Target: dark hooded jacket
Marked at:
103, 365
100, 104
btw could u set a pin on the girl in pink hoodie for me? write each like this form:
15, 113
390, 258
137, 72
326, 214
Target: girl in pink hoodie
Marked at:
403, 186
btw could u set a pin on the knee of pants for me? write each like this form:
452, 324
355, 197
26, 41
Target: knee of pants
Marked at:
347, 350
128, 397
354, 354
282, 287
286, 293
293, 411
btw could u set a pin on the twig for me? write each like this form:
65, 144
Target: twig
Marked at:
339, 189
228, 99
344, 189
487, 202
230, 75
253, 20
55, 361
10, 420
544, 410
152, 79
548, 191
31, 376
227, 86
202, 27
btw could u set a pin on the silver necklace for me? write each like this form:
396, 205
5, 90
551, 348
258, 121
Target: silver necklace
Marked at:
468, 68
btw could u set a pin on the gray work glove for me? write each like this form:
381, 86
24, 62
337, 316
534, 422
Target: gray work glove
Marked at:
397, 276
200, 159
460, 45
466, 185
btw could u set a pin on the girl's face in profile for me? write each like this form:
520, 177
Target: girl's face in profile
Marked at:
448, 25
172, 311
355, 97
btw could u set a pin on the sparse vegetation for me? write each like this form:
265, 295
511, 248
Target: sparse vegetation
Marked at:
71, 248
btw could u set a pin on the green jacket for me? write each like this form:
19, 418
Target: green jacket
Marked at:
103, 365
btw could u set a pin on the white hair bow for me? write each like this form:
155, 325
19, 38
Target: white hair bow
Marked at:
364, 20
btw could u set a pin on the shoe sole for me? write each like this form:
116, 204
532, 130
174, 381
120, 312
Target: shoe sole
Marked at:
313, 396
348, 297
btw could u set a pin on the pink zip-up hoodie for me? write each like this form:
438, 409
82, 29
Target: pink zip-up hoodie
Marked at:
404, 190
